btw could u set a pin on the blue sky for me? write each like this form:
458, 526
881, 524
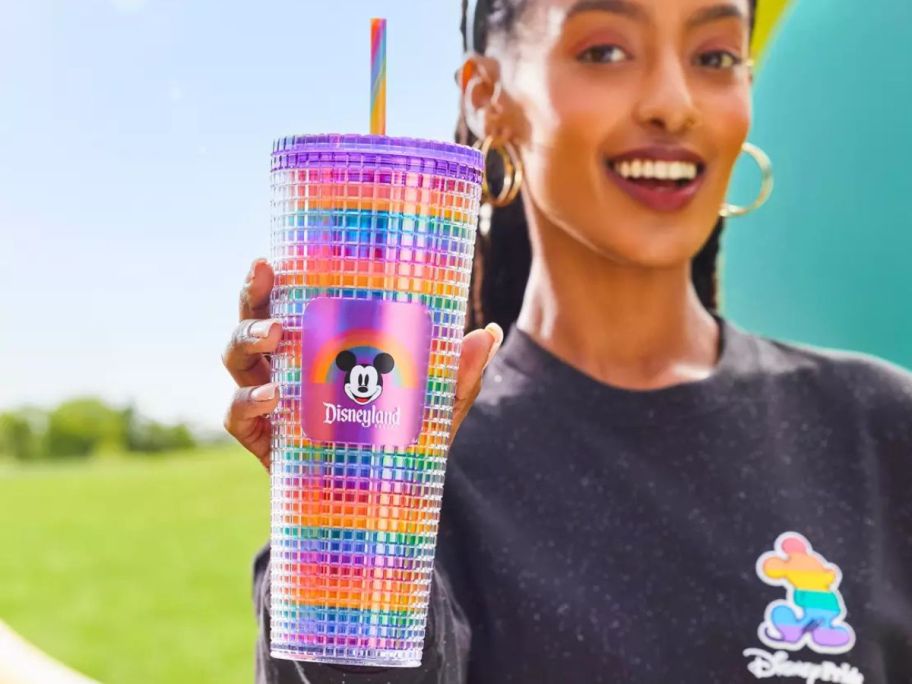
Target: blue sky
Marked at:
134, 188
134, 185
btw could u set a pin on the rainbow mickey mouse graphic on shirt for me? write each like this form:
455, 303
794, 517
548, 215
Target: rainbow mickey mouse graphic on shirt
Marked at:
813, 612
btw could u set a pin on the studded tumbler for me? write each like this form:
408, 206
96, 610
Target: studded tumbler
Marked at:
372, 246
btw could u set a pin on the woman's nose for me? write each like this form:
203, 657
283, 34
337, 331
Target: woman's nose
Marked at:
666, 100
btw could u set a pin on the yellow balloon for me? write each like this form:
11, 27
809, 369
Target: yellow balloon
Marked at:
769, 14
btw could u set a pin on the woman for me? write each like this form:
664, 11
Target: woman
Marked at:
642, 492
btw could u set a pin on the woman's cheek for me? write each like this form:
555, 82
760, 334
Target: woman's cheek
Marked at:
560, 133
553, 177
730, 118
728, 122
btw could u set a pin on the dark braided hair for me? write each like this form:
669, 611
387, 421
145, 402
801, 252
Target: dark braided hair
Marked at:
503, 254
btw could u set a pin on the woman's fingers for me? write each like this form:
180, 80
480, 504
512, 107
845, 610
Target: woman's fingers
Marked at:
248, 419
478, 348
248, 416
243, 357
255, 293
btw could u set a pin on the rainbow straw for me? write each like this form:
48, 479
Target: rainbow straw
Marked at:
378, 77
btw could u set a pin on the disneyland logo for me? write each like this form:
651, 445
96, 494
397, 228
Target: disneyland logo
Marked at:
365, 417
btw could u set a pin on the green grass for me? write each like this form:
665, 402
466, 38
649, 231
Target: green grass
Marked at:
136, 569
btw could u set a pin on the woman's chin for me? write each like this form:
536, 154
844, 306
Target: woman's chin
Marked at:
651, 246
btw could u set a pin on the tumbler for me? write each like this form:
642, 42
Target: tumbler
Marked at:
372, 245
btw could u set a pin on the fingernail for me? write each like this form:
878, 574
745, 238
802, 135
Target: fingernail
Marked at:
252, 271
261, 329
264, 393
497, 333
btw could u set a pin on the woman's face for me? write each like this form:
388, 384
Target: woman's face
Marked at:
629, 115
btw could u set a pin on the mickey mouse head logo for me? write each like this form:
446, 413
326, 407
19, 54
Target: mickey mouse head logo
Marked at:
364, 384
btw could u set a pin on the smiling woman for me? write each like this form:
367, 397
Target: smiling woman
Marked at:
642, 491
595, 84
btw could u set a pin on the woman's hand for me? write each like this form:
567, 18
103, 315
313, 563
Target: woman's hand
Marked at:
257, 336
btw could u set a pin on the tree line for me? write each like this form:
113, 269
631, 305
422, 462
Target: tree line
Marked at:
84, 426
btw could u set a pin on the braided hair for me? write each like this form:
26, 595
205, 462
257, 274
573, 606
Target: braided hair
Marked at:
503, 252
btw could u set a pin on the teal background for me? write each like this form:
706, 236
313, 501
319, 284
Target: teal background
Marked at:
826, 260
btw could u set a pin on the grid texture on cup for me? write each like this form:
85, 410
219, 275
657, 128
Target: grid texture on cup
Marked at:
354, 526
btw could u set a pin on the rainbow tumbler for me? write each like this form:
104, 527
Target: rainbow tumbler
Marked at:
372, 245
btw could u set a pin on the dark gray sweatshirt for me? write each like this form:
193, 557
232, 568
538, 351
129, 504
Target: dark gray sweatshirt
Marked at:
756, 524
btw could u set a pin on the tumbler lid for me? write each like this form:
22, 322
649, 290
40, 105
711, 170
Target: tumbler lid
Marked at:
380, 144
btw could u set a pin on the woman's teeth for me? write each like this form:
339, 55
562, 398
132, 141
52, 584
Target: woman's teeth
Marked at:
656, 170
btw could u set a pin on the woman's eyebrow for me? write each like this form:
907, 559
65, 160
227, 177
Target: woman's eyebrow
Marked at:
623, 7
634, 10
714, 13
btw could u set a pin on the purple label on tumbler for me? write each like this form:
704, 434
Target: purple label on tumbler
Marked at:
364, 367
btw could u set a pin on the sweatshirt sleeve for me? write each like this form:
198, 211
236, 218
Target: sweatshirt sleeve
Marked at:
444, 660
887, 391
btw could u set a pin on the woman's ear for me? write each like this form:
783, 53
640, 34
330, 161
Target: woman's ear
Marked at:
482, 95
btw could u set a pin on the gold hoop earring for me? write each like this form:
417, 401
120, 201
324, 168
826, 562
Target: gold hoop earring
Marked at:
513, 172
766, 184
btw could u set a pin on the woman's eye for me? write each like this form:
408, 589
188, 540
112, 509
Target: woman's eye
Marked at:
602, 54
719, 59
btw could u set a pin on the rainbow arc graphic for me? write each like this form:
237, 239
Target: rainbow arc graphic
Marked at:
365, 344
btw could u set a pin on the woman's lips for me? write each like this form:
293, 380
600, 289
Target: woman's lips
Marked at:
658, 195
